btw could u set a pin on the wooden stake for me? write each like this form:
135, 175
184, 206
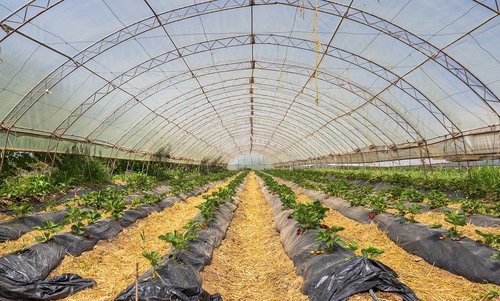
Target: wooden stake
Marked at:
136, 281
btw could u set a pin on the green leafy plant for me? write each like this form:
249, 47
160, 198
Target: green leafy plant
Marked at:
407, 212
92, 215
154, 258
371, 251
51, 204
136, 202
21, 209
310, 215
178, 241
492, 294
355, 198
48, 228
74, 214
208, 209
27, 185
330, 238
115, 207
472, 206
78, 228
192, 226
437, 199
455, 218
490, 239
377, 203
411, 195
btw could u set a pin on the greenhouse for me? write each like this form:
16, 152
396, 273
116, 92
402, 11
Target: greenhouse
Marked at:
210, 150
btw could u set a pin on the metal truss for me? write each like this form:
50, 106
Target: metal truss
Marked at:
14, 22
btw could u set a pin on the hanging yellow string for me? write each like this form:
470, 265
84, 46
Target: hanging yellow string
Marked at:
301, 9
316, 50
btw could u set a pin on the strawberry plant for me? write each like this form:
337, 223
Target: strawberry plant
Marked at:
310, 215
371, 251
288, 200
330, 238
492, 294
178, 241
92, 215
377, 203
21, 209
48, 228
407, 212
355, 198
154, 258
472, 206
74, 215
207, 210
490, 239
437, 199
115, 207
192, 226
411, 195
456, 219
136, 202
78, 228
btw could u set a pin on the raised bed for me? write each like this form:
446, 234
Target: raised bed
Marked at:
467, 258
15, 228
331, 276
179, 279
23, 273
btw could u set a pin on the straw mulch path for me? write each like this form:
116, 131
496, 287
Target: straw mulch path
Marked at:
251, 264
427, 281
112, 263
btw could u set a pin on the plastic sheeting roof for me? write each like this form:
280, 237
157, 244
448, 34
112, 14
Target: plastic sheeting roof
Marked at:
218, 80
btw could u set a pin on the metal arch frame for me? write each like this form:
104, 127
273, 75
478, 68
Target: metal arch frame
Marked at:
197, 151
189, 68
271, 118
125, 78
410, 129
360, 132
140, 69
393, 30
267, 97
155, 87
154, 129
39, 6
143, 26
208, 133
123, 34
294, 152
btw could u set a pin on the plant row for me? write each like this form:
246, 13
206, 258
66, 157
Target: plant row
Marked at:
330, 268
398, 199
310, 217
460, 255
480, 182
190, 250
94, 205
37, 261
